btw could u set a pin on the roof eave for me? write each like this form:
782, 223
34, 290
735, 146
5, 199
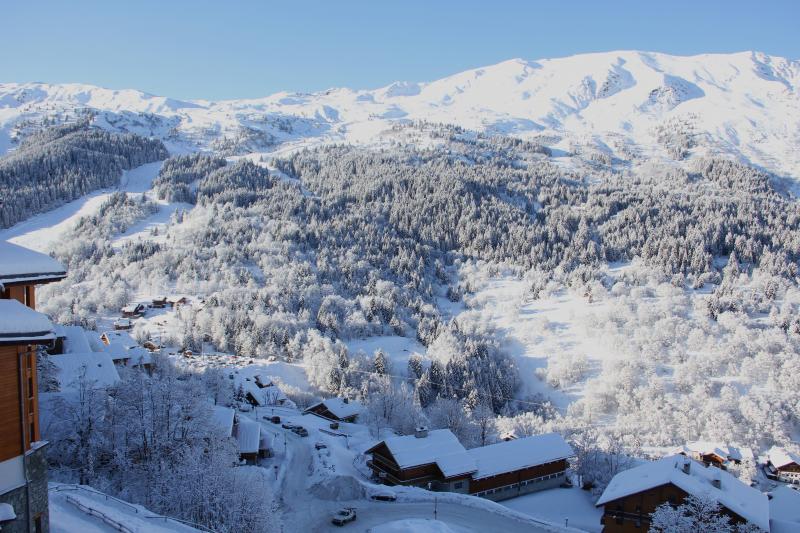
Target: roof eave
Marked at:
28, 279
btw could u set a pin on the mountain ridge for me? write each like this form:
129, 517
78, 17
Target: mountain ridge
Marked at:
744, 105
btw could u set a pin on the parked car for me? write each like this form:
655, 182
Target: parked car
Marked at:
320, 445
288, 425
275, 419
334, 425
343, 516
383, 497
301, 431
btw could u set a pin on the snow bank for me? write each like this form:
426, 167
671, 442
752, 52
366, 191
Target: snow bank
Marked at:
417, 525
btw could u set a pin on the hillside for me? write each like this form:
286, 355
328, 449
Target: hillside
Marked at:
626, 105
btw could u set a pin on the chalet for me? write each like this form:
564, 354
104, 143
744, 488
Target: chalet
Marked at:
248, 436
337, 409
133, 310
714, 453
123, 324
784, 510
783, 465
634, 494
436, 460
88, 369
22, 269
259, 394
23, 465
158, 302
177, 300
265, 445
124, 350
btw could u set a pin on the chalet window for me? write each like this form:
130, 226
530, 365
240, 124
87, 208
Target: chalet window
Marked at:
458, 485
619, 514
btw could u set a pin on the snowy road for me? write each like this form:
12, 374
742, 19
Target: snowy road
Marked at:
459, 517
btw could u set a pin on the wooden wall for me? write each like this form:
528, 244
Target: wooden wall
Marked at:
509, 478
24, 294
16, 436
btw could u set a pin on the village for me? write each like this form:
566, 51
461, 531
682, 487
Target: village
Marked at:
321, 450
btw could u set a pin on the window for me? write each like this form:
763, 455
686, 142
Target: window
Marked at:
458, 485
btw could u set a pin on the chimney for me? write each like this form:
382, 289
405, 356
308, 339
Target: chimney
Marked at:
685, 464
421, 432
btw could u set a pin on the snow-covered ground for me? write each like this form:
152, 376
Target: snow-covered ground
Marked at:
75, 508
623, 103
40, 232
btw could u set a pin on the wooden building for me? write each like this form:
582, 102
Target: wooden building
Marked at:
159, 302
714, 453
783, 465
633, 495
337, 409
23, 466
437, 461
133, 310
248, 436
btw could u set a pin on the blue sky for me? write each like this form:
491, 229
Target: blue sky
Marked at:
235, 49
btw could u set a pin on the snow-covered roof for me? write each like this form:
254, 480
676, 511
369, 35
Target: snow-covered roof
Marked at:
7, 512
22, 324
516, 454
18, 265
745, 501
340, 408
100, 369
720, 449
780, 457
409, 450
119, 336
262, 395
131, 308
75, 339
122, 347
175, 298
456, 464
248, 434
784, 510
222, 419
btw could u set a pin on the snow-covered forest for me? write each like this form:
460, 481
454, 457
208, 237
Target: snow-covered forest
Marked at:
343, 243
58, 164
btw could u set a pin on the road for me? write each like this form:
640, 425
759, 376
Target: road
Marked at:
371, 514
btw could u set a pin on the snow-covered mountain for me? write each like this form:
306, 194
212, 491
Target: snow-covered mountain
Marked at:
626, 104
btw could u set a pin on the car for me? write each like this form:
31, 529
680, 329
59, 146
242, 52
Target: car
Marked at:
334, 425
383, 497
320, 445
288, 425
301, 431
343, 516
275, 419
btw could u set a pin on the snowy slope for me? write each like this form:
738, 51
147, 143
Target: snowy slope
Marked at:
626, 103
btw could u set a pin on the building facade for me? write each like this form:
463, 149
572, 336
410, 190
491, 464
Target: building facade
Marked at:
23, 466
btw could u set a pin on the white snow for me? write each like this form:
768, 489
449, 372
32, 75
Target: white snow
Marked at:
571, 507
742, 104
6, 512
408, 450
248, 434
417, 525
19, 322
99, 369
340, 408
222, 418
747, 502
21, 264
517, 454
780, 457
75, 339
784, 510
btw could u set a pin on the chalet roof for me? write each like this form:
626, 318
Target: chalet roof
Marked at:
339, 408
100, 369
784, 510
131, 308
409, 450
248, 434
516, 454
21, 265
175, 298
222, 419
75, 339
780, 457
131, 353
725, 451
456, 464
262, 395
21, 324
745, 501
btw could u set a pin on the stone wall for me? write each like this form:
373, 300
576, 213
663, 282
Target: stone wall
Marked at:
36, 472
